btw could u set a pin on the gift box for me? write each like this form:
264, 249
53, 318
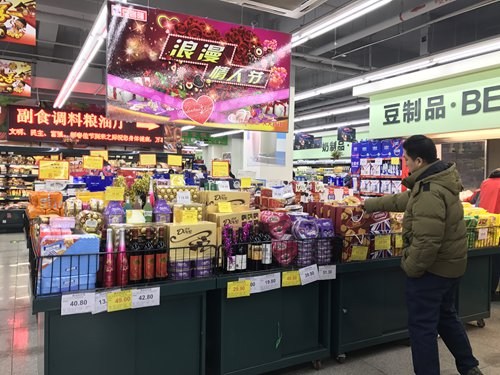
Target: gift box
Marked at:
191, 241
375, 149
353, 220
364, 149
277, 224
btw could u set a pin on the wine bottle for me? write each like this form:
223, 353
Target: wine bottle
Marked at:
122, 261
127, 206
241, 252
109, 264
161, 255
148, 209
149, 256
255, 252
267, 250
230, 255
135, 257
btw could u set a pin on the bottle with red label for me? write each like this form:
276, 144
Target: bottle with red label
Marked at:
161, 255
149, 256
122, 267
136, 257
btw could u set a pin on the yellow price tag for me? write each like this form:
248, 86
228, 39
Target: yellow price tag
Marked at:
383, 242
225, 207
189, 216
290, 278
220, 168
53, 170
395, 161
398, 241
135, 217
359, 252
119, 300
92, 162
114, 193
54, 157
237, 289
177, 180
147, 159
175, 160
246, 182
102, 153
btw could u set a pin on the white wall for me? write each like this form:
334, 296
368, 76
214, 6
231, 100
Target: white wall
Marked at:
234, 146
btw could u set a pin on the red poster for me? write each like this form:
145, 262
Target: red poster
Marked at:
15, 78
18, 22
169, 67
28, 124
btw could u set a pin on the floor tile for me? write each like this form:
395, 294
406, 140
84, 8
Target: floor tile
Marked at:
25, 364
25, 341
7, 320
6, 338
5, 364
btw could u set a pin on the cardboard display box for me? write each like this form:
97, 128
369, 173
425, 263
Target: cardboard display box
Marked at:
192, 241
212, 198
235, 220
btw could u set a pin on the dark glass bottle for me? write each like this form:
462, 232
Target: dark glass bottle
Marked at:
254, 251
230, 254
267, 250
149, 256
240, 250
136, 257
161, 255
122, 265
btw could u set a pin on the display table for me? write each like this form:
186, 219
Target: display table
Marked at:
267, 331
368, 301
154, 340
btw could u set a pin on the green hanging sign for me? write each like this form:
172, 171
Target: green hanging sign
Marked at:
465, 103
192, 137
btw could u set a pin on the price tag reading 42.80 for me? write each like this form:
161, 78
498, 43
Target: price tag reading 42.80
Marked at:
79, 303
145, 297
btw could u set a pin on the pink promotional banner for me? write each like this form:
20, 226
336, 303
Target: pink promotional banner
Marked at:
168, 67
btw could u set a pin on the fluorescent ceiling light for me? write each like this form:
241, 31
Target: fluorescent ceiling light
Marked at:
336, 111
479, 48
332, 126
348, 13
231, 132
187, 127
90, 48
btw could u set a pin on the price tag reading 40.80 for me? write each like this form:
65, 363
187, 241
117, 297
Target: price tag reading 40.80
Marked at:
309, 274
146, 297
79, 303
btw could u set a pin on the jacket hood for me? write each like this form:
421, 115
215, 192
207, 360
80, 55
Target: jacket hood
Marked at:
439, 172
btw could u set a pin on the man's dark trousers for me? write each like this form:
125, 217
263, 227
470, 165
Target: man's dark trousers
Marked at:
431, 302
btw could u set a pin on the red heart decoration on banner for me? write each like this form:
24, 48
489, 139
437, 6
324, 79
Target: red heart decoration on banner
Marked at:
198, 110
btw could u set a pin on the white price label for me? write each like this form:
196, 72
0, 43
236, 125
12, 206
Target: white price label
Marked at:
254, 284
363, 161
327, 272
309, 274
288, 189
146, 297
79, 303
378, 161
101, 303
278, 192
184, 197
223, 185
482, 234
270, 282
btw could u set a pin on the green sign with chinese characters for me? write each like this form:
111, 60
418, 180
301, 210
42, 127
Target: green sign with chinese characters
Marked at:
470, 102
192, 137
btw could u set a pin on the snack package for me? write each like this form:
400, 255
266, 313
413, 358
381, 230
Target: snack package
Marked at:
277, 224
90, 222
285, 250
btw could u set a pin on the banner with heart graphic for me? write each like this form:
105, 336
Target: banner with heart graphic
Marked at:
168, 67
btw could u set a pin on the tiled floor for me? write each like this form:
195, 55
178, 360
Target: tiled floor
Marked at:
19, 350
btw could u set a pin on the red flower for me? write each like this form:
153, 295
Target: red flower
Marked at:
195, 32
181, 29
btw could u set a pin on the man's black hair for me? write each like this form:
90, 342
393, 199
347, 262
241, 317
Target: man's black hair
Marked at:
419, 146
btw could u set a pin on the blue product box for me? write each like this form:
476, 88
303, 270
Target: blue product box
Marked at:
76, 255
51, 285
355, 165
364, 149
386, 149
355, 149
397, 147
375, 149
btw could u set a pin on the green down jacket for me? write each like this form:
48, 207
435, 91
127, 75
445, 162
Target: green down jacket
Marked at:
434, 233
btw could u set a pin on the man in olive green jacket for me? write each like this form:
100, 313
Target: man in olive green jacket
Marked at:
434, 256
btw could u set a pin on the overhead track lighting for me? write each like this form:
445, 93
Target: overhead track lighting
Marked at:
231, 132
336, 111
346, 14
332, 126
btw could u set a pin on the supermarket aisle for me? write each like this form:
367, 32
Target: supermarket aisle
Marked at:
19, 349
18, 330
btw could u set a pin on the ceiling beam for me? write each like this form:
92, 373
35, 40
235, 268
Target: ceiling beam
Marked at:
330, 62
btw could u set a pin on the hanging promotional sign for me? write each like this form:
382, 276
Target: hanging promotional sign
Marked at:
18, 22
189, 137
470, 102
28, 124
170, 67
15, 77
